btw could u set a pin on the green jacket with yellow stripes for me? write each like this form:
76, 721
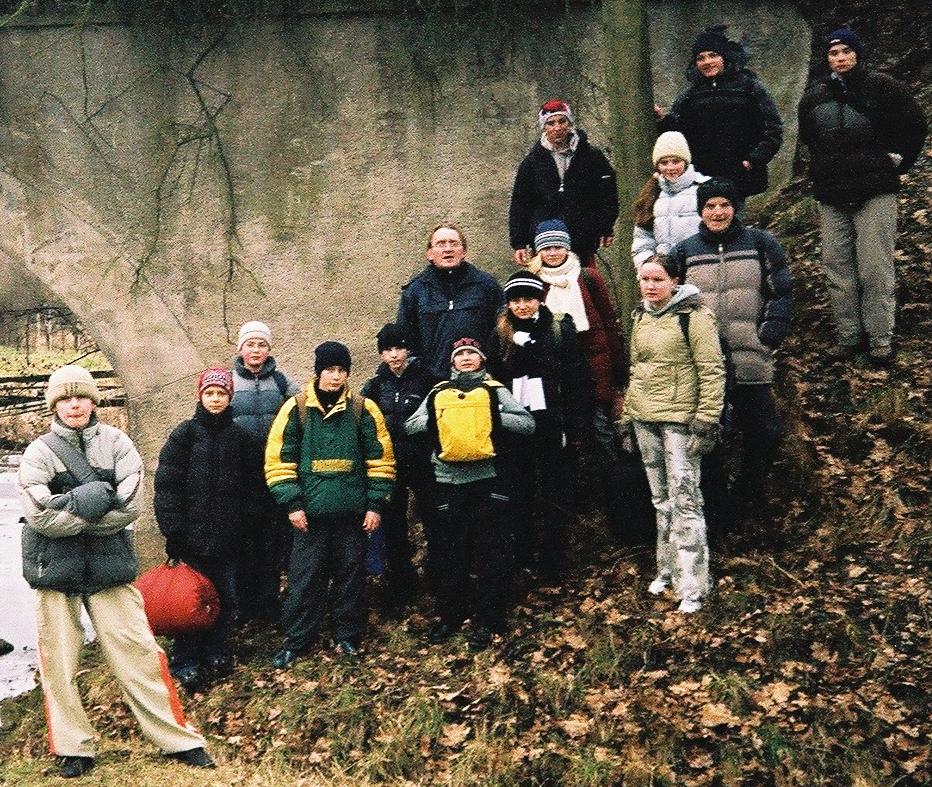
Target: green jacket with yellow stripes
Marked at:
331, 464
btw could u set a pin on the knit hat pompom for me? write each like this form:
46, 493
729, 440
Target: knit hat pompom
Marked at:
552, 232
712, 39
524, 284
216, 375
254, 330
554, 106
717, 187
466, 343
671, 143
391, 335
330, 354
844, 35
71, 381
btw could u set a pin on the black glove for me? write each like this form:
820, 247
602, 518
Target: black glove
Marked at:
703, 437
92, 500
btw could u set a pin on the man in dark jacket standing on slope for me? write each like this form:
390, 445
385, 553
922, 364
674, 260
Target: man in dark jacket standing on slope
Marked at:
450, 298
563, 177
863, 130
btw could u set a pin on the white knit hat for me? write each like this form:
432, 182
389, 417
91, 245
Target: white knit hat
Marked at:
70, 381
254, 330
671, 143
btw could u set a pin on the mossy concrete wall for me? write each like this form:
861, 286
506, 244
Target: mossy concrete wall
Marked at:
168, 186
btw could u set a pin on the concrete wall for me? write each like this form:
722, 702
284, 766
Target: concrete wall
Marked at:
168, 187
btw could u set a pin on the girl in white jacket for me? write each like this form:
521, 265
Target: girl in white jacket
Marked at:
665, 208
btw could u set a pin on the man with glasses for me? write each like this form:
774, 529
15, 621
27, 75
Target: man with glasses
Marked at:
450, 298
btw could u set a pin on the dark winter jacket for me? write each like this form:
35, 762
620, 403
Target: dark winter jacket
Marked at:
726, 120
586, 199
398, 397
208, 485
743, 278
258, 397
438, 307
851, 123
62, 551
555, 356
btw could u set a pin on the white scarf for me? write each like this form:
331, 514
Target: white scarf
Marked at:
565, 293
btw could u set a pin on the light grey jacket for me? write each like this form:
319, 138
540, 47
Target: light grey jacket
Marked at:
514, 418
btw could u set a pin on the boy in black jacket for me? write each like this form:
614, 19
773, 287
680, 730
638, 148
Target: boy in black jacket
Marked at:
398, 388
208, 479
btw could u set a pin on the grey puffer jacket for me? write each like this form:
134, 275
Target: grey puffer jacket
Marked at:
743, 278
257, 398
62, 551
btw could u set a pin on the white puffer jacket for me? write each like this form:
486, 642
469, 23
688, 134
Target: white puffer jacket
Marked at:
675, 217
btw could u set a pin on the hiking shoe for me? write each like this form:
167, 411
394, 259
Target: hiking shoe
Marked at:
196, 758
658, 586
5, 647
441, 632
220, 666
842, 352
190, 679
881, 355
286, 657
480, 638
72, 767
689, 605
348, 648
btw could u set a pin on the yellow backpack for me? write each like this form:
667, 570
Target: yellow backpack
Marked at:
464, 424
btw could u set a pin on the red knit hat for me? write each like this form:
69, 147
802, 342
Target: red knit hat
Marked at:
215, 376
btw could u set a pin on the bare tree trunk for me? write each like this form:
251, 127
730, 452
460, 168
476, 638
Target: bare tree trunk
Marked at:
634, 129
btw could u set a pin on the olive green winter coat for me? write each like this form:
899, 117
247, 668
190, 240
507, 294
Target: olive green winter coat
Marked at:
672, 381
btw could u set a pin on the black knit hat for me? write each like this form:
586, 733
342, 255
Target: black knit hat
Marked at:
524, 284
717, 187
844, 35
330, 354
391, 335
712, 39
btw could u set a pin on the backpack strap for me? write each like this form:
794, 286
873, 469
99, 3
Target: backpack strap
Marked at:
357, 403
282, 382
75, 461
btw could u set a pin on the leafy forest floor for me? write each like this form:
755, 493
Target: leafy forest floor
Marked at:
811, 664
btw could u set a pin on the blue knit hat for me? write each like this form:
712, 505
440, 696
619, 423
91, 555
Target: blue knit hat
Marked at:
552, 232
844, 35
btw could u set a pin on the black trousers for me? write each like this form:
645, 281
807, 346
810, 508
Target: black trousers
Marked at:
472, 534
327, 569
419, 479
541, 486
261, 560
197, 647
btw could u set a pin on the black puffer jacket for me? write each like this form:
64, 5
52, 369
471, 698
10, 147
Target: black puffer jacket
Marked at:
587, 198
850, 124
726, 120
208, 484
398, 397
555, 356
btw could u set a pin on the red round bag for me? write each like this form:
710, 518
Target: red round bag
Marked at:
178, 599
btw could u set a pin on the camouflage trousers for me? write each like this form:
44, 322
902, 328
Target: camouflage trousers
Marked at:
673, 475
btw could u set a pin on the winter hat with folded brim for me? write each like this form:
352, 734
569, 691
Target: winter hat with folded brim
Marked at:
466, 343
391, 335
554, 107
717, 187
671, 143
844, 35
71, 381
524, 284
712, 39
330, 354
552, 232
254, 330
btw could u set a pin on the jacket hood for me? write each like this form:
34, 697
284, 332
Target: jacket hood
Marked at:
75, 436
683, 295
210, 420
469, 379
580, 138
267, 368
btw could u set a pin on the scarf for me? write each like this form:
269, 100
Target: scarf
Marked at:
565, 293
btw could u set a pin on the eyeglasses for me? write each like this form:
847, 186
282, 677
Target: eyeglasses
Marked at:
446, 244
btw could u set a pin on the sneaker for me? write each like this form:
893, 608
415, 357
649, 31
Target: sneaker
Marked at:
286, 657
441, 632
658, 586
220, 666
689, 605
347, 647
72, 767
196, 758
842, 352
480, 638
881, 355
190, 679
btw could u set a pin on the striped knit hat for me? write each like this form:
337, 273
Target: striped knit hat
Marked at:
215, 376
71, 381
524, 284
552, 232
554, 107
